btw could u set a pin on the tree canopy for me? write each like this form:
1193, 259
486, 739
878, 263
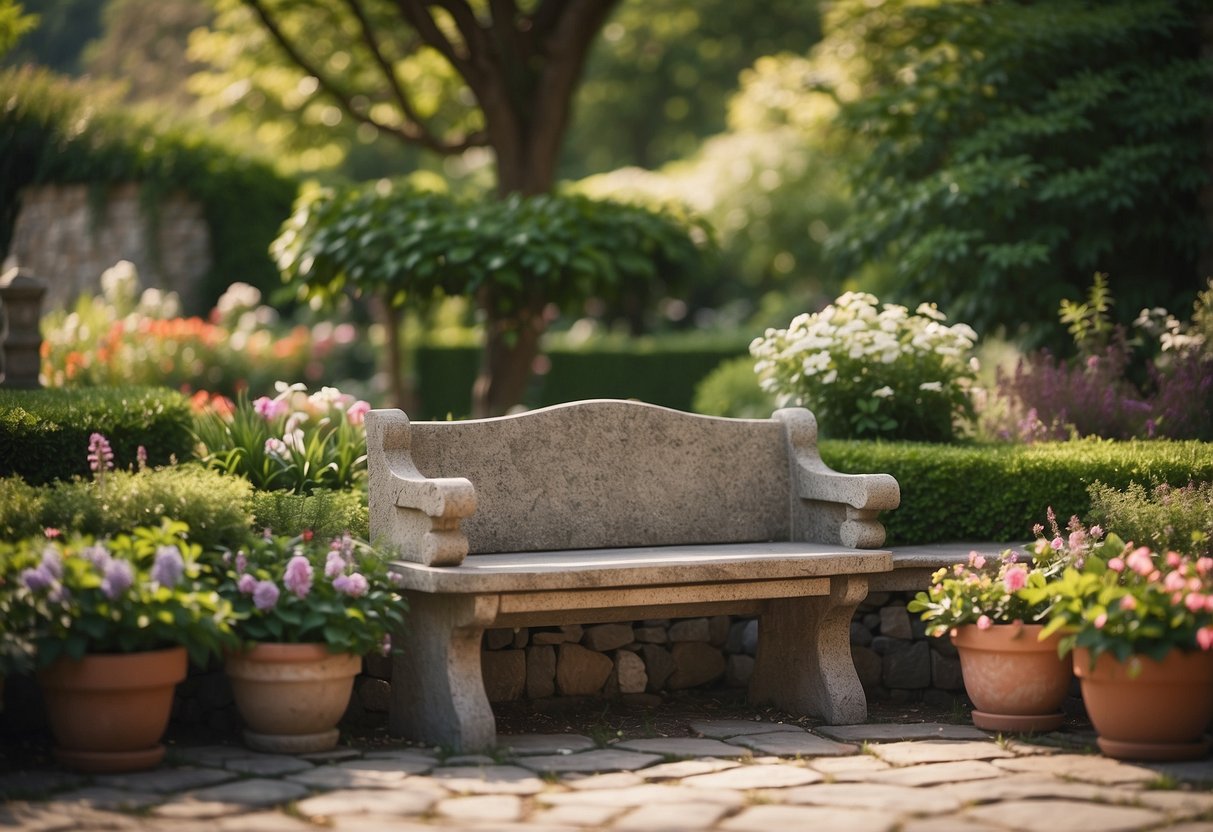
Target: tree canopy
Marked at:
1010, 149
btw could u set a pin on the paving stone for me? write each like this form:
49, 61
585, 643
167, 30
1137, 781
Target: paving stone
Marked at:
925, 775
260, 822
335, 755
873, 796
1193, 771
833, 766
686, 768
892, 732
755, 777
267, 765
791, 744
166, 780
641, 795
398, 764
1032, 786
767, 818
671, 817
526, 744
332, 777
1082, 767
230, 798
373, 822
611, 780
481, 808
937, 751
577, 815
489, 780
685, 747
601, 759
1177, 804
15, 784
53, 818
364, 801
410, 756
725, 728
108, 798
463, 760
1070, 815
205, 755
950, 824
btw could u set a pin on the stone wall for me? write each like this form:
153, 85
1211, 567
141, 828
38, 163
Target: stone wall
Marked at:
60, 238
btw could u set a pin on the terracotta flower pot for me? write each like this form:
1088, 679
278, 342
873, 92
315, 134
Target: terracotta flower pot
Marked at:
292, 695
109, 711
1144, 709
1017, 682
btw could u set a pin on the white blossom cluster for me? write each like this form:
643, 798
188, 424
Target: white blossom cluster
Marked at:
856, 348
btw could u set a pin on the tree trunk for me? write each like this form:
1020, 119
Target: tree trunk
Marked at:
403, 395
510, 346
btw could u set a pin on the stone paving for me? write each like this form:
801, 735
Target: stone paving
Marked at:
733, 775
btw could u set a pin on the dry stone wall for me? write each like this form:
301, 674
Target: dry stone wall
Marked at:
61, 238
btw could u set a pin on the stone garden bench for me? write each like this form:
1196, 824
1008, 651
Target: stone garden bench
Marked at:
604, 511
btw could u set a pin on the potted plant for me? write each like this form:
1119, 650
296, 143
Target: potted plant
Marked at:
109, 623
1140, 625
1012, 670
307, 611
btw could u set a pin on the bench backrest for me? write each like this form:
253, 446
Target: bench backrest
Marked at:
612, 474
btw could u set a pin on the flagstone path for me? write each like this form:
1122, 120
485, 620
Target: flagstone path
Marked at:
733, 775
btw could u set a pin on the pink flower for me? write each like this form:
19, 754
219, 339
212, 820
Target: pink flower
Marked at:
984, 623
52, 533
1140, 560
354, 585
270, 409
334, 565
276, 448
247, 584
1016, 578
1116, 565
1204, 566
1173, 559
1100, 620
1204, 637
1174, 582
1097, 532
265, 595
976, 560
357, 412
1195, 602
1057, 543
1077, 539
1128, 603
100, 454
298, 577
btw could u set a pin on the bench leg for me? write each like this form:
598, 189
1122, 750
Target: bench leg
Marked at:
804, 663
437, 689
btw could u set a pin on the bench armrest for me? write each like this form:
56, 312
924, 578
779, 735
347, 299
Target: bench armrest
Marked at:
415, 516
858, 498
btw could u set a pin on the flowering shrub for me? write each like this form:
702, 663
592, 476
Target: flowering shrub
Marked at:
125, 337
139, 591
987, 591
299, 590
1165, 518
865, 371
1137, 602
292, 442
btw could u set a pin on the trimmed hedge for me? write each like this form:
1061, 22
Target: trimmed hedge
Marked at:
661, 370
214, 505
44, 433
998, 492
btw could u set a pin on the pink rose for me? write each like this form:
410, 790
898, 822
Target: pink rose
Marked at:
1116, 565
1016, 578
1141, 561
976, 561
1204, 637
1128, 603
1195, 602
984, 623
1100, 620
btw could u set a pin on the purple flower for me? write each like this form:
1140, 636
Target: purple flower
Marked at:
334, 565
354, 585
100, 454
38, 579
246, 584
118, 578
265, 595
241, 561
97, 555
298, 577
169, 567
51, 562
141, 457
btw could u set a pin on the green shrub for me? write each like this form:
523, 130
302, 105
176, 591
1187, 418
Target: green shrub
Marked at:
732, 390
44, 433
662, 370
326, 513
1164, 518
215, 506
998, 492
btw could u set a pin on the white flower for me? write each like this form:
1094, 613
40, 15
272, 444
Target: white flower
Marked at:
931, 386
829, 377
883, 392
930, 310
